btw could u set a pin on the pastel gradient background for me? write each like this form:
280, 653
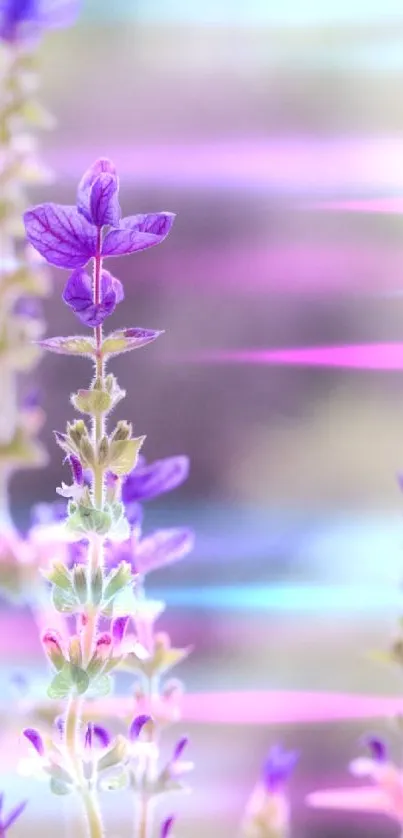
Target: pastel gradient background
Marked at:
275, 131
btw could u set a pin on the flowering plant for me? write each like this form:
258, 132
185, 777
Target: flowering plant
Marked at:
109, 557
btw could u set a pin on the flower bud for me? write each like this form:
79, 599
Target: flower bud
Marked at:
80, 583
97, 584
103, 646
122, 431
75, 652
103, 451
52, 643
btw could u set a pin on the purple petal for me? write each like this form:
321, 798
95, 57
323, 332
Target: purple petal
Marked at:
29, 307
61, 235
179, 748
278, 767
166, 827
48, 513
14, 815
162, 548
157, 223
379, 751
137, 233
118, 629
134, 514
102, 735
137, 726
77, 470
55, 14
78, 294
104, 203
149, 481
99, 168
35, 738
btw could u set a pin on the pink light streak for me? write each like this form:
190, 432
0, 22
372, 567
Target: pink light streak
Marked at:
375, 356
392, 206
290, 163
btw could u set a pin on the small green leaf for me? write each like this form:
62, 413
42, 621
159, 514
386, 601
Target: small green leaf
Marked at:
116, 783
59, 576
118, 579
123, 455
117, 753
79, 678
61, 684
97, 583
94, 402
64, 602
59, 788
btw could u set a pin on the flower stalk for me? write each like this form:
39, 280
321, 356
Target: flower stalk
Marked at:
103, 516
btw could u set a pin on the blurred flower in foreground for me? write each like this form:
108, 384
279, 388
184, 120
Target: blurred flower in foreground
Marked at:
24, 20
384, 795
268, 812
9, 820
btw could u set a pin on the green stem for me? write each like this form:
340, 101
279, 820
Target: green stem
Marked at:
99, 423
94, 820
72, 728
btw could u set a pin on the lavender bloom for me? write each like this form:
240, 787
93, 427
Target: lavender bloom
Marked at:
69, 236
35, 738
6, 822
78, 295
24, 20
278, 767
166, 828
377, 748
147, 481
137, 726
157, 550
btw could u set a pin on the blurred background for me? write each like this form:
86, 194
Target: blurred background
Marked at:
275, 132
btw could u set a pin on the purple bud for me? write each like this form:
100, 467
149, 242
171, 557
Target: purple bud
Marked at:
278, 767
35, 738
137, 726
377, 748
77, 470
118, 629
166, 827
179, 748
59, 725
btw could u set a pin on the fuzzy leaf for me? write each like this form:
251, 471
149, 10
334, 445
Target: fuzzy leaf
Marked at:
93, 402
61, 684
75, 345
101, 687
60, 788
63, 601
124, 340
117, 580
123, 455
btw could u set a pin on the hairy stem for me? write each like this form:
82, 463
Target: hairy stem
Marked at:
93, 815
99, 423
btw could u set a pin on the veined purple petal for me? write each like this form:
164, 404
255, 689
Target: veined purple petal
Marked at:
78, 294
166, 827
149, 481
104, 201
99, 168
137, 726
157, 223
35, 738
119, 626
179, 748
162, 548
61, 235
102, 735
278, 767
13, 816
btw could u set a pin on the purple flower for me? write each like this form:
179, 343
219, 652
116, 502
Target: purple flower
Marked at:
23, 20
147, 481
35, 738
78, 295
137, 726
6, 822
97, 732
166, 827
69, 236
161, 548
377, 748
278, 768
